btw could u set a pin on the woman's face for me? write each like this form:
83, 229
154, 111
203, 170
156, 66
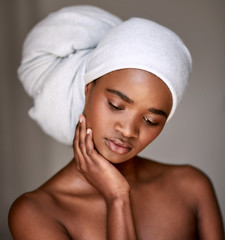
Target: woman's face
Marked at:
126, 110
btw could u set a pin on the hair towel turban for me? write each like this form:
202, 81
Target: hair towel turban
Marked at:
78, 44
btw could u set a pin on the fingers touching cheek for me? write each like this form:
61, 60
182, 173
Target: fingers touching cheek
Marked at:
83, 146
89, 143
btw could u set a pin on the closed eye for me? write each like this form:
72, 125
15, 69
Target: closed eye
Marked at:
114, 107
150, 123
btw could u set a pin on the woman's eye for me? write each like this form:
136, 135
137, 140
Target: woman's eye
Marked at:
149, 122
114, 107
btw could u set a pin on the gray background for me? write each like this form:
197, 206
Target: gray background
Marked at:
195, 135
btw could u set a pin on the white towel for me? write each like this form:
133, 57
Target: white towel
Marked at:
78, 44
143, 44
53, 65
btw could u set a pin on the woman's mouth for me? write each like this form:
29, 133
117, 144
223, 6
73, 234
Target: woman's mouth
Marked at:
118, 146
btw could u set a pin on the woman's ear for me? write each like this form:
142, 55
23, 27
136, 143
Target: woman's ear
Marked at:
88, 89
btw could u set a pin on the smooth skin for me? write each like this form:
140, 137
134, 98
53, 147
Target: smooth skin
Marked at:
107, 191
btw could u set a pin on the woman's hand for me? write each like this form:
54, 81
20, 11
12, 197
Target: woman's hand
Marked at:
96, 169
101, 174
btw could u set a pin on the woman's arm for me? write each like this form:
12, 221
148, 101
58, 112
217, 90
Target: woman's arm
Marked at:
109, 181
120, 224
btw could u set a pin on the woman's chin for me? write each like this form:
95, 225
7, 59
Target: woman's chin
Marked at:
114, 158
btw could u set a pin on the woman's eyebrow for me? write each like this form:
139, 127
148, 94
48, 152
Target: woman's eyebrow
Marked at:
158, 111
128, 100
121, 95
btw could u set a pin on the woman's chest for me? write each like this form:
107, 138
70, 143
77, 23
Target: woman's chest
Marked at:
163, 217
156, 215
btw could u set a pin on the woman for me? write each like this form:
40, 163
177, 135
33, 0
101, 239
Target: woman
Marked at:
126, 79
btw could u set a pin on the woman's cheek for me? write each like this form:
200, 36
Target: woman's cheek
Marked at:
149, 136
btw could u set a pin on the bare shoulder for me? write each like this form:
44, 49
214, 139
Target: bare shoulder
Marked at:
188, 175
192, 180
195, 191
185, 177
48, 212
199, 189
29, 214
38, 214
185, 181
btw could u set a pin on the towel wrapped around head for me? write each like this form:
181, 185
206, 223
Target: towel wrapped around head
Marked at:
78, 44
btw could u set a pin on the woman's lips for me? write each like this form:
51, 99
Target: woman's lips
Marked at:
118, 146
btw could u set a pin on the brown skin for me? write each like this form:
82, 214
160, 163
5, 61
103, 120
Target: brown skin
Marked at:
107, 191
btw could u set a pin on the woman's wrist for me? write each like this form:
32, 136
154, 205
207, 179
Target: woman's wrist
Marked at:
118, 198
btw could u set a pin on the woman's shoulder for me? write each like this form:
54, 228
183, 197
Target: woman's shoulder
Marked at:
187, 191
27, 204
30, 213
187, 183
43, 208
180, 176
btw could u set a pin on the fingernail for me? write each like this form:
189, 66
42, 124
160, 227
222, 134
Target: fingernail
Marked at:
80, 119
88, 130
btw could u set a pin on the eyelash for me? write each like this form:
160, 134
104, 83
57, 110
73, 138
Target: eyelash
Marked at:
116, 108
112, 106
148, 122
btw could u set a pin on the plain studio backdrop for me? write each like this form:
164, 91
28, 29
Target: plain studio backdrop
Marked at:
195, 135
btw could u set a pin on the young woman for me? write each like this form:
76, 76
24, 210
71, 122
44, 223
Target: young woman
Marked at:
126, 79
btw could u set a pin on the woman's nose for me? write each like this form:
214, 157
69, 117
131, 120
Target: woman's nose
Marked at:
127, 127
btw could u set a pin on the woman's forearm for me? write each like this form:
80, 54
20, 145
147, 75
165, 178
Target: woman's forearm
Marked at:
120, 222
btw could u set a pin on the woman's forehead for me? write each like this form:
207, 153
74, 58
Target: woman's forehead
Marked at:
137, 85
